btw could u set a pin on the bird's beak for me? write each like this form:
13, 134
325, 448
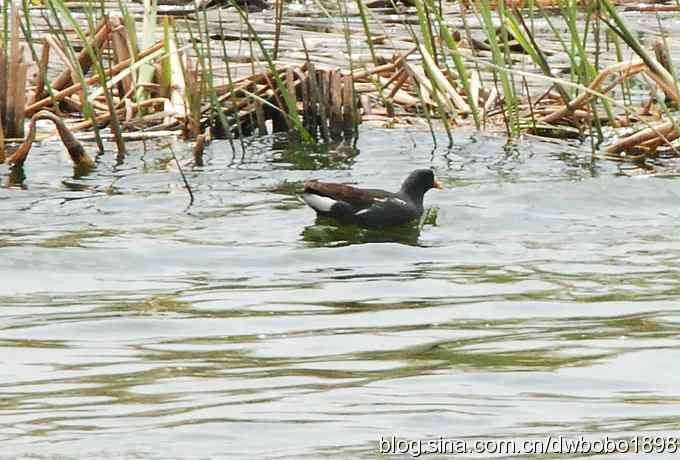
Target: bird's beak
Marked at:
438, 185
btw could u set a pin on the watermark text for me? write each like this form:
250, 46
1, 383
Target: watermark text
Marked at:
584, 445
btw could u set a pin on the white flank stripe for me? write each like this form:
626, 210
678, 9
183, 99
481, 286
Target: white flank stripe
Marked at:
318, 202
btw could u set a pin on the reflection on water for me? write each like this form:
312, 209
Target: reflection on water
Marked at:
328, 234
333, 155
538, 296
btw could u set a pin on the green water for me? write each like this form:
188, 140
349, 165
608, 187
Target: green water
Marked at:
540, 298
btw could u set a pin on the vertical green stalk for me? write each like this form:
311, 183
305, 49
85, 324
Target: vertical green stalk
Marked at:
425, 27
281, 86
499, 60
277, 30
99, 68
625, 84
440, 106
367, 31
129, 22
146, 71
454, 53
348, 44
586, 71
232, 90
88, 110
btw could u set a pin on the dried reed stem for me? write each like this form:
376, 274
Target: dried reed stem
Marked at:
628, 69
197, 151
74, 148
65, 78
59, 95
660, 130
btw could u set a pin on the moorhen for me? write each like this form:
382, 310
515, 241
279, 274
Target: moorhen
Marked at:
371, 207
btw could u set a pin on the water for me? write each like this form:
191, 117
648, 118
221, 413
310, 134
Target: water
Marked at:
539, 298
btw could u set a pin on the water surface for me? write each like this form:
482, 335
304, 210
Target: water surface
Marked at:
539, 297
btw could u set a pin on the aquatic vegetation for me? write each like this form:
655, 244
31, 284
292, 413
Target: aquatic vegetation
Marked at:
184, 78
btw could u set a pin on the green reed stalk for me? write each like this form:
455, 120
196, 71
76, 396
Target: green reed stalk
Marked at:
440, 106
581, 70
99, 68
347, 33
573, 64
626, 90
426, 110
431, 33
473, 51
194, 90
348, 44
232, 90
586, 71
27, 30
208, 81
620, 28
88, 109
363, 14
367, 31
207, 73
499, 61
277, 31
455, 55
425, 27
131, 29
591, 12
502, 12
146, 72
519, 30
281, 86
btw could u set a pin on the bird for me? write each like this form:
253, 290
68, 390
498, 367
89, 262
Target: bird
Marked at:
371, 207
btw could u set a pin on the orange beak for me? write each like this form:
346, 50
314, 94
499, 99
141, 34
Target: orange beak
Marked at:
438, 185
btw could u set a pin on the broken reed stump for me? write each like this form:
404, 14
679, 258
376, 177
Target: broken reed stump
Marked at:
324, 99
121, 47
663, 56
197, 151
330, 104
13, 73
2, 142
75, 149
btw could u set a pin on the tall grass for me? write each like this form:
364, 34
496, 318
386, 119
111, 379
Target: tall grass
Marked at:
455, 55
500, 60
443, 74
290, 101
59, 8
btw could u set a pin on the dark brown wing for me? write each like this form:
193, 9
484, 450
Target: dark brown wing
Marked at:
357, 197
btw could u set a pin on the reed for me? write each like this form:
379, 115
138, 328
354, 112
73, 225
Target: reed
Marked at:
2, 142
278, 19
111, 75
13, 71
232, 93
145, 74
499, 59
456, 57
79, 63
291, 113
81, 160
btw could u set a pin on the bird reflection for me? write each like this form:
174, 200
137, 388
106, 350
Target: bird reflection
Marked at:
328, 233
